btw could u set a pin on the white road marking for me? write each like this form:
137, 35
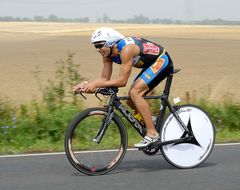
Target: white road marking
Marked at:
62, 153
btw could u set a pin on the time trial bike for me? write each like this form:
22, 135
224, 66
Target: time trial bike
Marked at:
96, 139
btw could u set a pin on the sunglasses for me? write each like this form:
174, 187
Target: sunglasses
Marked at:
99, 46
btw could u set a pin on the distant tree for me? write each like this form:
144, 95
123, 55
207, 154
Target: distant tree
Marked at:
39, 18
26, 19
139, 19
86, 19
7, 18
105, 18
53, 18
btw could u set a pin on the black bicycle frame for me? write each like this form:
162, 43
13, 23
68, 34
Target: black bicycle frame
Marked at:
115, 101
164, 103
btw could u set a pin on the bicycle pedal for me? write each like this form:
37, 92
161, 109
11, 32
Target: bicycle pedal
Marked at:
151, 146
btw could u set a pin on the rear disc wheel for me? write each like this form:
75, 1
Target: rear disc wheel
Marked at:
195, 151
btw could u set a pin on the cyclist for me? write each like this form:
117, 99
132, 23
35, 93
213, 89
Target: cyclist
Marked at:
130, 52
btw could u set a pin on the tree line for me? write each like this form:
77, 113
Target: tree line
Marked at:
137, 19
50, 18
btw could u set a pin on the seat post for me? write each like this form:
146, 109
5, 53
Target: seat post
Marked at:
168, 85
169, 82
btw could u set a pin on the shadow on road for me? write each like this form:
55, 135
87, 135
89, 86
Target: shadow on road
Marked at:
147, 164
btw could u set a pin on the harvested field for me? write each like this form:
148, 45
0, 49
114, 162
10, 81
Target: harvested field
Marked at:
207, 55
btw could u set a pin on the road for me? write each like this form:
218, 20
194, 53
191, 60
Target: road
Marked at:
137, 171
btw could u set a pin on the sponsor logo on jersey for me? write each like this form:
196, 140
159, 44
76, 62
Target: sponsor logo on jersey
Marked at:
147, 76
150, 48
157, 65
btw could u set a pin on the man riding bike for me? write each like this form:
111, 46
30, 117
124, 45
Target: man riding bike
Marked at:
130, 52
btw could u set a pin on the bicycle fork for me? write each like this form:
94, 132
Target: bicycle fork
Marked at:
105, 122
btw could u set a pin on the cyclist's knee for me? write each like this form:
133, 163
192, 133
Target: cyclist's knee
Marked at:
135, 92
132, 93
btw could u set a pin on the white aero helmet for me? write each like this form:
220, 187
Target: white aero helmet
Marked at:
108, 35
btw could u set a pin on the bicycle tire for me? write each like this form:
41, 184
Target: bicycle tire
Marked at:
87, 156
194, 152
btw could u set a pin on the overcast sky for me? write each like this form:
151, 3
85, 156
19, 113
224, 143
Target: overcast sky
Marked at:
123, 9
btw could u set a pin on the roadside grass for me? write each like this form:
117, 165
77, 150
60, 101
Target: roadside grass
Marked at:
40, 125
35, 128
227, 136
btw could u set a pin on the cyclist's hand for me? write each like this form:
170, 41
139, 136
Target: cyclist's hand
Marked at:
85, 87
89, 88
79, 87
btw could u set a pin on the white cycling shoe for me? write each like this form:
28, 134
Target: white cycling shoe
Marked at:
146, 141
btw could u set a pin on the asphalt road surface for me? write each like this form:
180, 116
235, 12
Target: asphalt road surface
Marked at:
137, 171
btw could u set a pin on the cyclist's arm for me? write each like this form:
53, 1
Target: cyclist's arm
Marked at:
107, 69
127, 54
106, 75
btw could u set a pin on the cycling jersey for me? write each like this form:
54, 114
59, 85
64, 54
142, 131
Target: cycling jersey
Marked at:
155, 62
149, 51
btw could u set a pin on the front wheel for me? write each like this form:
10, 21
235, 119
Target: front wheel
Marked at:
84, 153
191, 153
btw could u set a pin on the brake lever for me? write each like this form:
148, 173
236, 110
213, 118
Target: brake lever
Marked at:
80, 94
83, 95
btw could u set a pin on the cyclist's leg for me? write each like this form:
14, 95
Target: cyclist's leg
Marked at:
136, 93
145, 82
129, 101
155, 80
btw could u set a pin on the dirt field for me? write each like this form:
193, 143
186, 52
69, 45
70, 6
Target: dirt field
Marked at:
208, 56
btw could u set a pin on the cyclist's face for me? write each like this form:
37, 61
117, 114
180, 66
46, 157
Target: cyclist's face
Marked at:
102, 49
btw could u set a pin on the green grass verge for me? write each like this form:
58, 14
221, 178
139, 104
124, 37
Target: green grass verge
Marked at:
40, 126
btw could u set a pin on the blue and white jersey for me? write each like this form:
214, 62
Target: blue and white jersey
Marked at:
149, 51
